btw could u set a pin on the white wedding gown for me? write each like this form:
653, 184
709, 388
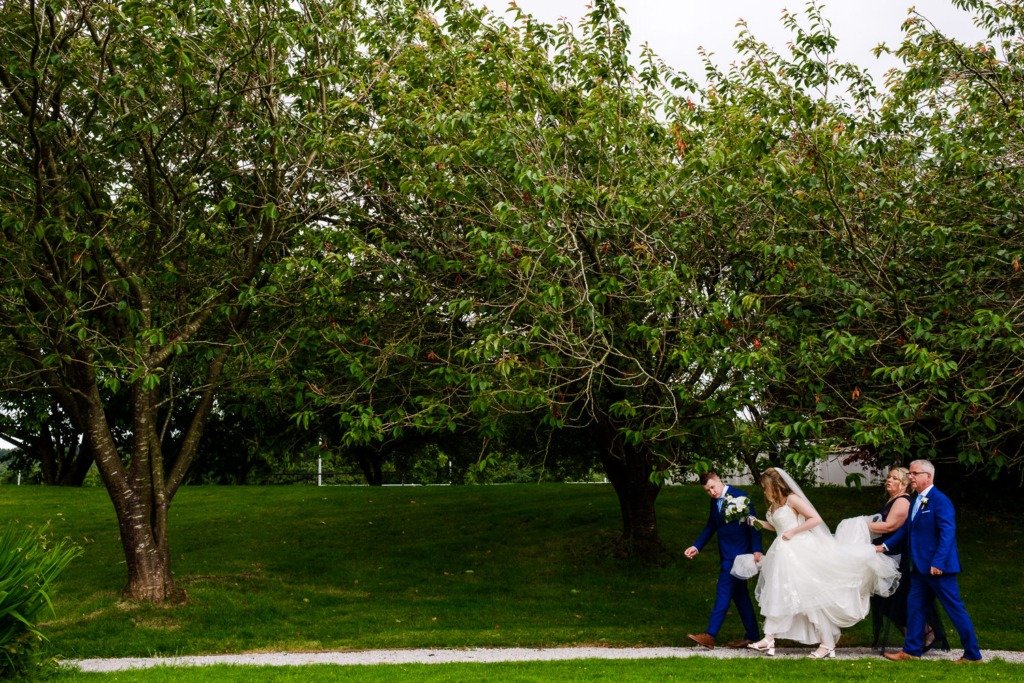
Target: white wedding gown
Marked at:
813, 584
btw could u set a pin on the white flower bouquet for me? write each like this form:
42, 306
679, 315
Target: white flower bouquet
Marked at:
736, 509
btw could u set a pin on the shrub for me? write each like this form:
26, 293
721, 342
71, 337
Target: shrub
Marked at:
28, 566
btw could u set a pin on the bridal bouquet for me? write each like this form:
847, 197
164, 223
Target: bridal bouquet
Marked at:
736, 508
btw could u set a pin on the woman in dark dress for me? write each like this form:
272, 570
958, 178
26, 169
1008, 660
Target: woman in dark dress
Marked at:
894, 514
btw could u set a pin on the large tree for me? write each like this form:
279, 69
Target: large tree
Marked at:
547, 251
894, 318
952, 382
160, 162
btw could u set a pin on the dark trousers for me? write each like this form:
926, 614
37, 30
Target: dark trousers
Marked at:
893, 610
731, 589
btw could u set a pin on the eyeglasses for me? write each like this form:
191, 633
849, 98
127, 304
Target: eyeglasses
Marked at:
918, 474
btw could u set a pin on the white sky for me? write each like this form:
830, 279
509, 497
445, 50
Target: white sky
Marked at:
676, 28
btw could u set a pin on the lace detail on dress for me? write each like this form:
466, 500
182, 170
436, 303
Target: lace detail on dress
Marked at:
811, 583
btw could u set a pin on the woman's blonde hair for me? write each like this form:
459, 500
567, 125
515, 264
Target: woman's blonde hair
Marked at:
775, 489
904, 474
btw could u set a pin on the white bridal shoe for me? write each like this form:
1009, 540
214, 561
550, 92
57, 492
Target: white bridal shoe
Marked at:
765, 645
823, 653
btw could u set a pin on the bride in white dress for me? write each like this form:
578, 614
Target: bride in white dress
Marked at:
811, 584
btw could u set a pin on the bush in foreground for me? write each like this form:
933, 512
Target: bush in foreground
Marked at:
28, 566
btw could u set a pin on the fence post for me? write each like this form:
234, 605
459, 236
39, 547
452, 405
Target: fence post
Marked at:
319, 471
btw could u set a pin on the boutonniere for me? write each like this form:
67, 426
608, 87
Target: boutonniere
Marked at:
924, 504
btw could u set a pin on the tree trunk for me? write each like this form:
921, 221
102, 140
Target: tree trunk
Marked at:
75, 466
62, 461
629, 469
43, 449
148, 556
371, 461
141, 490
750, 460
246, 465
142, 526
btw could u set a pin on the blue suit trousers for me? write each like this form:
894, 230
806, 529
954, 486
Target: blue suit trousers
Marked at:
731, 589
923, 589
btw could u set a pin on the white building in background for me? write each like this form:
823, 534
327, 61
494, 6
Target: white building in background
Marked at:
829, 472
832, 472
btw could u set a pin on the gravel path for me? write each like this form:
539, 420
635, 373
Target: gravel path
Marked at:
484, 655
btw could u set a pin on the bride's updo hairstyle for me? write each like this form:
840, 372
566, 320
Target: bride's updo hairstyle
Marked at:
775, 489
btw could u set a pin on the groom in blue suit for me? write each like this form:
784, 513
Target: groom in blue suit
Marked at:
930, 534
734, 538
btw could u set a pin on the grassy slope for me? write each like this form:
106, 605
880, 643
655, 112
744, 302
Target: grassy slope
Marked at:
296, 568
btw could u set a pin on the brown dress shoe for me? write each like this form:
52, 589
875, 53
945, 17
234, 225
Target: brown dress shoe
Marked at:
964, 660
738, 644
899, 656
703, 639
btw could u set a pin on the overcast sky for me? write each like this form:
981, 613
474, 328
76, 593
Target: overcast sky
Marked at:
676, 28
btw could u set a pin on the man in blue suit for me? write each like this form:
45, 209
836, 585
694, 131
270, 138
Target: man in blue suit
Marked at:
930, 536
734, 538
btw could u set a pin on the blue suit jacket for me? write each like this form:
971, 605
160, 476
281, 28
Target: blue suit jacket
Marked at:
733, 538
931, 535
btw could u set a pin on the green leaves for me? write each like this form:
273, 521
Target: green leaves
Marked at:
443, 213
29, 564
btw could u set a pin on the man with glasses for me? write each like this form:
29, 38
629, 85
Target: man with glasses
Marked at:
930, 534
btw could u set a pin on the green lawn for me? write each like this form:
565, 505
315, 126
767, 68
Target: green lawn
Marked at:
619, 671
305, 568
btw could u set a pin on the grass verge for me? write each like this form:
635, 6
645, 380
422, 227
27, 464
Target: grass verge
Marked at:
624, 671
304, 568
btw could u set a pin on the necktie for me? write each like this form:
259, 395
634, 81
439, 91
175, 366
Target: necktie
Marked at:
917, 506
721, 502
